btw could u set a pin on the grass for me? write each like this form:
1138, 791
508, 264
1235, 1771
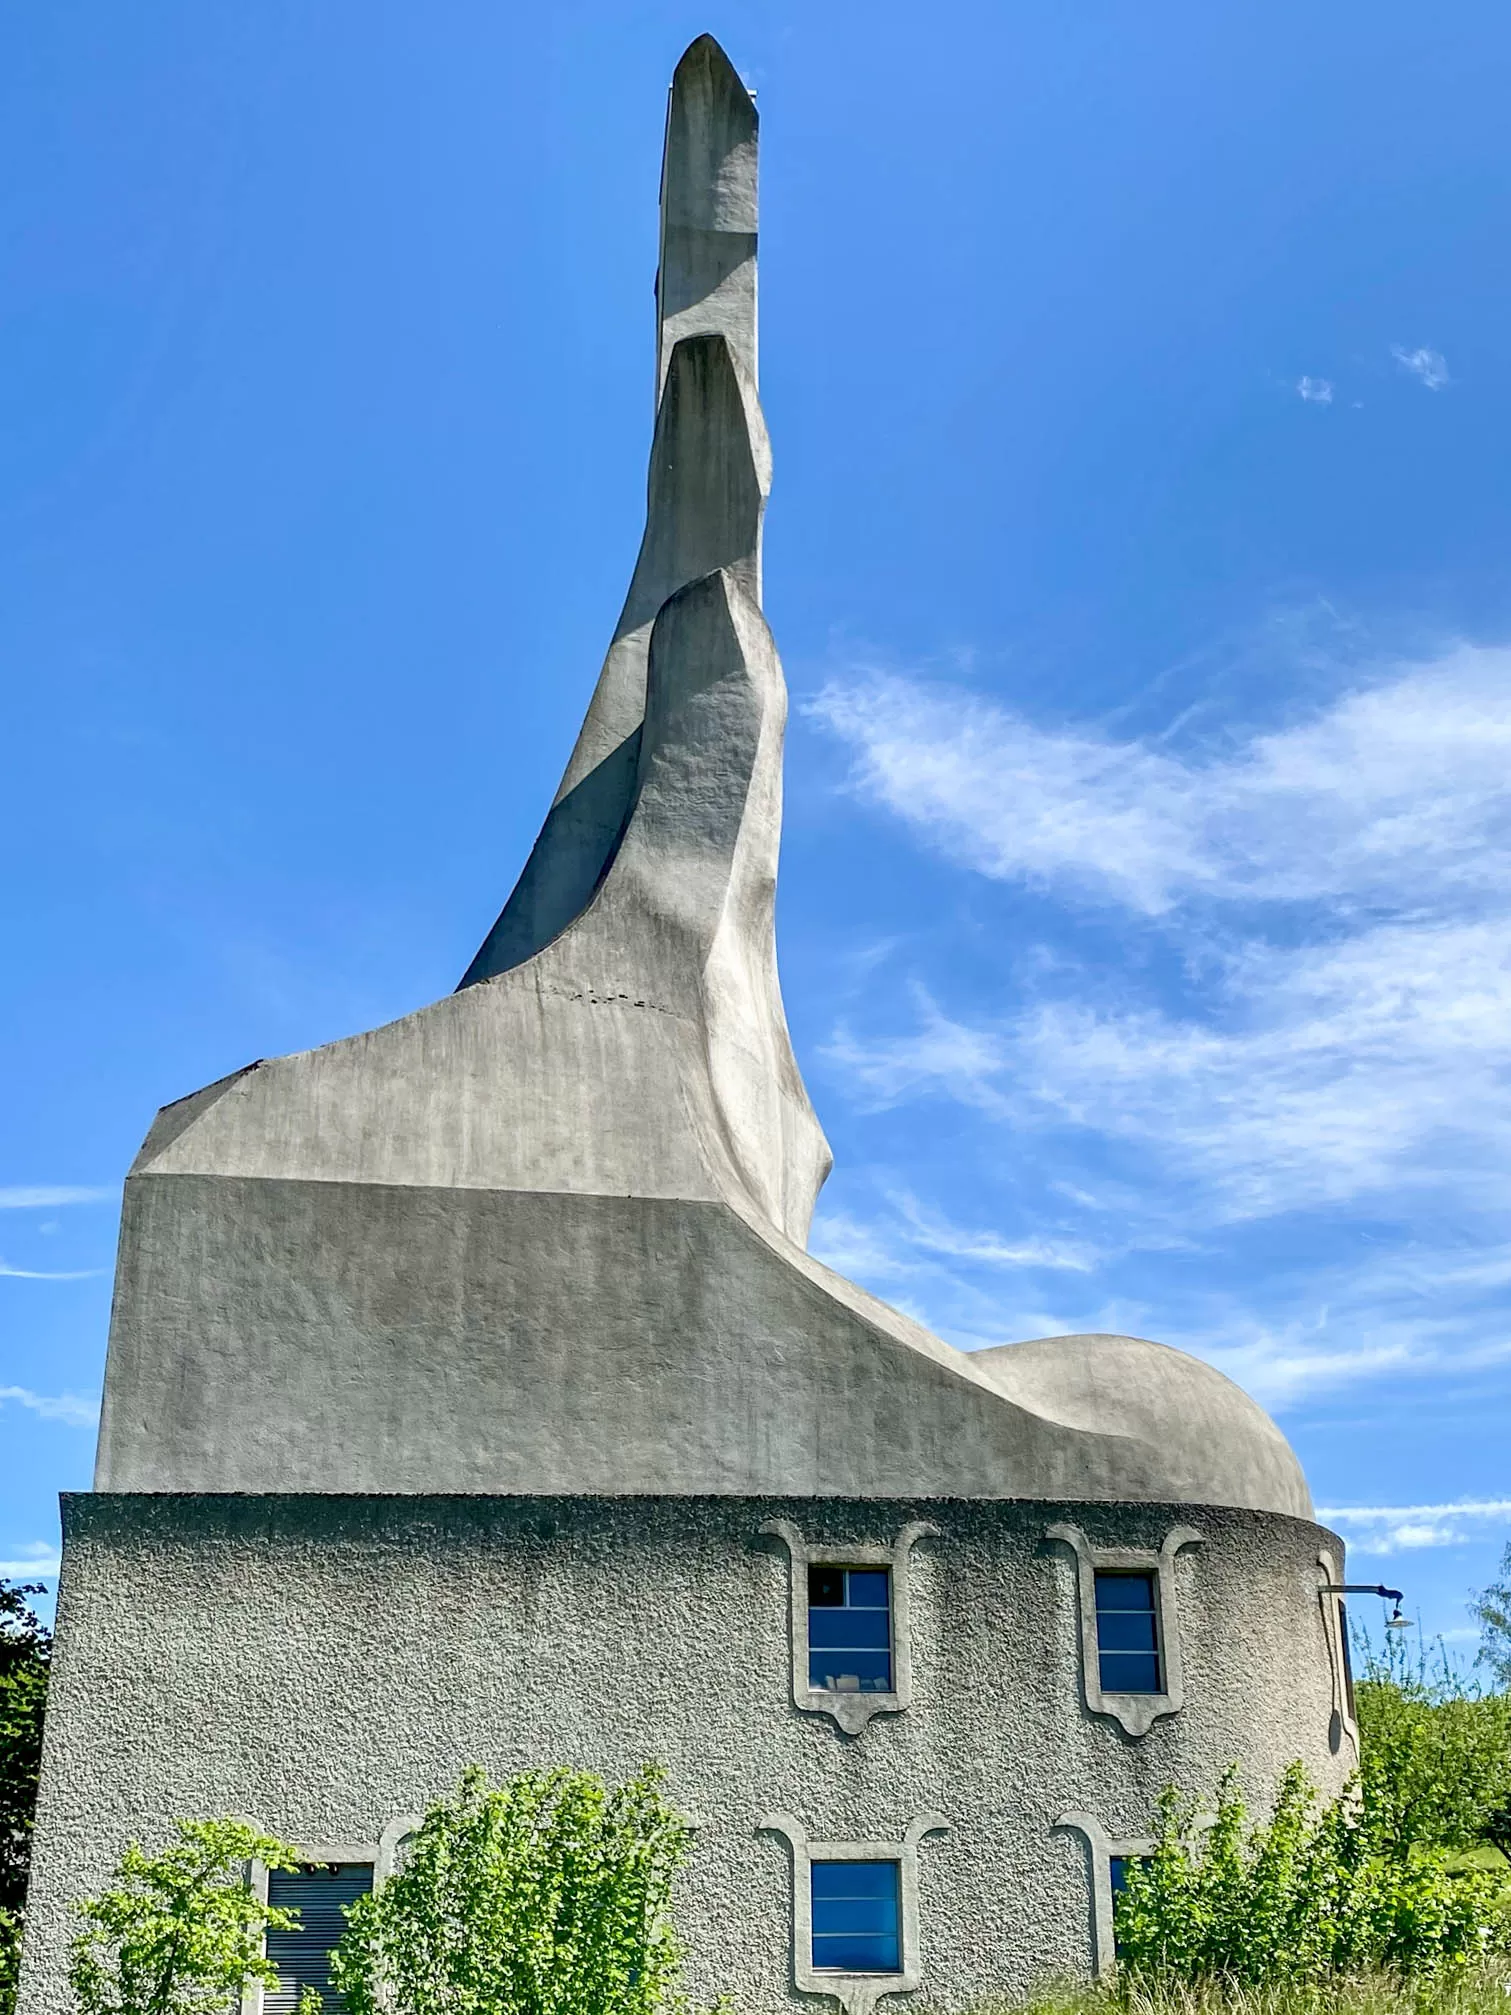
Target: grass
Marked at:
1475, 1993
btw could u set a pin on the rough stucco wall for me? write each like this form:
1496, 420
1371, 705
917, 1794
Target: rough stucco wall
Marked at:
324, 1664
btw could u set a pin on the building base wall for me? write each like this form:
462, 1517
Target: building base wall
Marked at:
324, 1666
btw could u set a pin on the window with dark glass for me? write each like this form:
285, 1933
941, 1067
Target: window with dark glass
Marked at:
1128, 1634
850, 1629
1117, 1867
302, 1954
855, 1917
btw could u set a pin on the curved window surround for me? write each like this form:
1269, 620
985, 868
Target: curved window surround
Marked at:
348, 1857
1344, 1725
1129, 1628
855, 1932
1105, 1858
848, 1619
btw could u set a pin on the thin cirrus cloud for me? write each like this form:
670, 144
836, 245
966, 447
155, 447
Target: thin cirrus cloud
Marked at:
49, 1196
10, 1272
1333, 1033
70, 1409
1368, 1048
1315, 391
1429, 367
1410, 1527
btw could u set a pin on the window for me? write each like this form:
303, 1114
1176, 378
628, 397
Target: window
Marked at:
302, 1956
850, 1629
1117, 1869
1127, 1633
847, 1609
855, 1917
1128, 1623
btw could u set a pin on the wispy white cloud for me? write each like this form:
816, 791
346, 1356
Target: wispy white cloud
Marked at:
908, 1239
1412, 1528
38, 1562
1404, 776
48, 1196
1316, 391
71, 1408
35, 1273
1430, 366
1369, 1048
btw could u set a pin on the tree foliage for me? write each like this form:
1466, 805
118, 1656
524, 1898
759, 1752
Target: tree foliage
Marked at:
180, 1932
545, 1895
1491, 1609
25, 1651
1305, 1895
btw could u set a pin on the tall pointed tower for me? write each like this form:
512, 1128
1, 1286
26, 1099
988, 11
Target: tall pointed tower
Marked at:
471, 1394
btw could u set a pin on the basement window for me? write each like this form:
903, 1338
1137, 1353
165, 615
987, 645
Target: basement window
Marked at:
856, 1917
850, 1629
1128, 1651
302, 1956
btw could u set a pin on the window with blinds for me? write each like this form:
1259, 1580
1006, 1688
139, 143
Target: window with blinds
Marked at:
302, 1956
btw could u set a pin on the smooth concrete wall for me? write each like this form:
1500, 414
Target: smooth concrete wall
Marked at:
296, 1336
323, 1665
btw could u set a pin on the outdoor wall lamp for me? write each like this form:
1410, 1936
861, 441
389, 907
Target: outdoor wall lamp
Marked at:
1395, 1620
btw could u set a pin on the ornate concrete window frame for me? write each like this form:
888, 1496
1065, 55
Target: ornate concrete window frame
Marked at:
1135, 1713
856, 1993
849, 1711
1101, 1849
379, 1855
1335, 1633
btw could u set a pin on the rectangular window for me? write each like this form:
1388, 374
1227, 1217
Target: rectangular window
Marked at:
850, 1629
1127, 1634
303, 1955
855, 1917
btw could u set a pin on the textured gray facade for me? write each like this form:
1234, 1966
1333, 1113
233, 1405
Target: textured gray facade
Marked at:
324, 1666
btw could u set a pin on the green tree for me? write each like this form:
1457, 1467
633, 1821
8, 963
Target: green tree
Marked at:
25, 1649
1435, 1765
1305, 1895
180, 1932
1491, 1608
548, 1894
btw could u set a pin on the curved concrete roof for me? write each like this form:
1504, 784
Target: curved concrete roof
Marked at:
1215, 1444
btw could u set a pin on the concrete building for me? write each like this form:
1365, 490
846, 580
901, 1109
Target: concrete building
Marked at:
471, 1395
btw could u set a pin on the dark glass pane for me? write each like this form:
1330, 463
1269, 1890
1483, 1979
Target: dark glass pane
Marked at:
874, 1915
868, 1587
1119, 1870
1126, 1630
851, 1671
1130, 1672
862, 1629
855, 1916
855, 1878
1125, 1591
856, 1955
826, 1587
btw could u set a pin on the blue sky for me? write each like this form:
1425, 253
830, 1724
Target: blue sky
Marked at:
1138, 381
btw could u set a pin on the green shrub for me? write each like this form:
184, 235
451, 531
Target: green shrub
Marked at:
180, 1933
1302, 1896
545, 1895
